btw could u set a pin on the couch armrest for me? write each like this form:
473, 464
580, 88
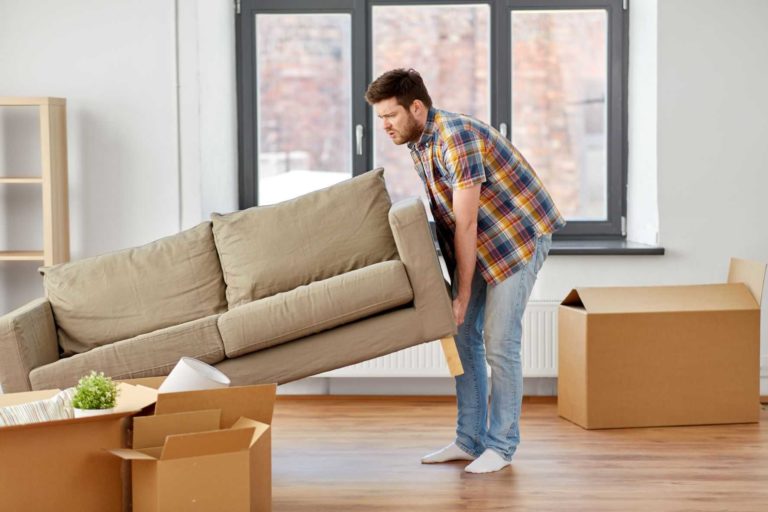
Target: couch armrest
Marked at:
27, 340
417, 252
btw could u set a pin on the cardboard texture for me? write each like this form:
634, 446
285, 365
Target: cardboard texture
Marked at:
204, 450
150, 382
662, 356
64, 465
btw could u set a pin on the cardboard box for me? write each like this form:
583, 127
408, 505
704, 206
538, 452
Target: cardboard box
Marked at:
204, 450
666, 355
63, 464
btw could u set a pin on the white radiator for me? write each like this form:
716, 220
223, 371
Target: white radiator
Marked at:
539, 352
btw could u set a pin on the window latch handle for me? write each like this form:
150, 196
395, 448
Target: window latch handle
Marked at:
503, 129
359, 139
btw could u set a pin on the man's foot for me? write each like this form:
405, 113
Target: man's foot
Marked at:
488, 462
450, 452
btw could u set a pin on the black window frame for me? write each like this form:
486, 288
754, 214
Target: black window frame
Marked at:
500, 88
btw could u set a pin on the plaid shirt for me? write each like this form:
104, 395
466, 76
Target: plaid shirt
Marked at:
456, 152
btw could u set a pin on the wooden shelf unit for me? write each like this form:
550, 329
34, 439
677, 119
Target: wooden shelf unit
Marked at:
53, 155
21, 180
21, 256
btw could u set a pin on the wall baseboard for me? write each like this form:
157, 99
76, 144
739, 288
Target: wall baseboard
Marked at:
419, 386
409, 386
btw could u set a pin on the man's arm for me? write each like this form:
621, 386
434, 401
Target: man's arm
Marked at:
466, 203
463, 157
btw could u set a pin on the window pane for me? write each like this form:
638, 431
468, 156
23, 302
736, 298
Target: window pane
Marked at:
304, 125
451, 52
559, 105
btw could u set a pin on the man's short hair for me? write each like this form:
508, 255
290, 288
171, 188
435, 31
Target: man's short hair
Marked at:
405, 85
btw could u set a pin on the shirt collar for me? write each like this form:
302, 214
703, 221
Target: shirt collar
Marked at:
427, 134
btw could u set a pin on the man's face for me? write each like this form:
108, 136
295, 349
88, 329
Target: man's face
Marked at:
399, 123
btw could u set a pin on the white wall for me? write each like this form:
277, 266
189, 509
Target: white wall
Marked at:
698, 167
208, 108
642, 201
713, 122
151, 121
122, 158
712, 159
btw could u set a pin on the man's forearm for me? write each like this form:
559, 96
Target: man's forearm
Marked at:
465, 249
465, 206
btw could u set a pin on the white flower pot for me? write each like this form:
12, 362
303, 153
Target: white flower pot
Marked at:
85, 413
189, 374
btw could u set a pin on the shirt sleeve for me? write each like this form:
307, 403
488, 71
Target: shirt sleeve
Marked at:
463, 157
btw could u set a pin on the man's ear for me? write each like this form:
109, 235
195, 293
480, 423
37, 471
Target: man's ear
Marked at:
417, 107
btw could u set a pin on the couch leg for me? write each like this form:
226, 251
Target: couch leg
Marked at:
452, 356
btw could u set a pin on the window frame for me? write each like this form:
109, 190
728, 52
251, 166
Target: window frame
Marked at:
614, 227
361, 11
247, 102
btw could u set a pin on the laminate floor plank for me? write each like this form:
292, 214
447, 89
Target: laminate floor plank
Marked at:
357, 454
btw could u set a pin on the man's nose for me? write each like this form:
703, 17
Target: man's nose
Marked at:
387, 124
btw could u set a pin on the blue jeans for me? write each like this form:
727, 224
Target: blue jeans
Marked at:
494, 314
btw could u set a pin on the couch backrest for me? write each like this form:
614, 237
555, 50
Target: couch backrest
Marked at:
119, 295
271, 249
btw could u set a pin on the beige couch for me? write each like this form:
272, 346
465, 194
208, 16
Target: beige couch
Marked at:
267, 294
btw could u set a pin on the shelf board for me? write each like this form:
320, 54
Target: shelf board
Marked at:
21, 256
31, 179
15, 101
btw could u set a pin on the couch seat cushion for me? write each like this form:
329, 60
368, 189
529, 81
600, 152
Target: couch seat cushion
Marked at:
120, 295
147, 355
271, 249
315, 307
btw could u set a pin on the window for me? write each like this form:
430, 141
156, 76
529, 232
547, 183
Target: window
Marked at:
559, 104
549, 74
302, 145
443, 29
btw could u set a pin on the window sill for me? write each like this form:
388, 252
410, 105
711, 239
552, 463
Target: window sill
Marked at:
596, 247
602, 247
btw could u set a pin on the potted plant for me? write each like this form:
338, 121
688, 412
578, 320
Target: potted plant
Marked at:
94, 394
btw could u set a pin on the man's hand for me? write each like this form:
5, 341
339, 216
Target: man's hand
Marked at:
459, 310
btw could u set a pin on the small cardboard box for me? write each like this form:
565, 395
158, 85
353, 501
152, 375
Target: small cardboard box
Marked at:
63, 464
204, 450
665, 355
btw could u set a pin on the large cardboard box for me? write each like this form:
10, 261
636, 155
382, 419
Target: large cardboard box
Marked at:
665, 355
63, 464
205, 451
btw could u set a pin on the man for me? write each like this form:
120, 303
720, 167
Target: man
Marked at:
493, 214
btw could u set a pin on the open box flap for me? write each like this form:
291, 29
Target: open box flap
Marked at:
134, 398
659, 299
26, 397
751, 273
127, 454
255, 402
206, 443
130, 399
149, 431
259, 427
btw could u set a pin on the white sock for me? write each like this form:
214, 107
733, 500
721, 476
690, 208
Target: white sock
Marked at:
488, 462
450, 452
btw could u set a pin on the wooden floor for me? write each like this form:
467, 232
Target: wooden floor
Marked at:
363, 455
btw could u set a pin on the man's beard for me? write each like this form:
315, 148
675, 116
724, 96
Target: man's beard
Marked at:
410, 132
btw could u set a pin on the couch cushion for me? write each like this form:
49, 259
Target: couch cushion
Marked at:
270, 249
315, 307
119, 295
147, 355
